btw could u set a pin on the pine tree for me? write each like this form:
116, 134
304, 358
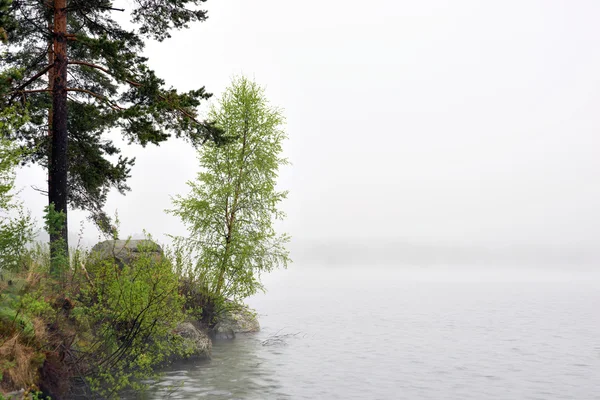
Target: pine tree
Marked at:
79, 74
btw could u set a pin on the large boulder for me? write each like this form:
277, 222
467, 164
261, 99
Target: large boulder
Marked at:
125, 252
196, 343
238, 319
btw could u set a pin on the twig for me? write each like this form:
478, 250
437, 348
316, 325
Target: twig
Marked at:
37, 189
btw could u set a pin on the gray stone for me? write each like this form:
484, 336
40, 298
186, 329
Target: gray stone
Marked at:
223, 333
196, 342
239, 319
18, 395
124, 252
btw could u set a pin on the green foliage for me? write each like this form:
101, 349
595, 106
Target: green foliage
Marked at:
33, 304
37, 395
117, 319
126, 318
10, 118
19, 305
112, 324
12, 321
59, 261
5, 20
157, 18
234, 201
22, 334
16, 225
110, 87
15, 234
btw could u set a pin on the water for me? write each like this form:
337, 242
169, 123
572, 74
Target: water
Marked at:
383, 333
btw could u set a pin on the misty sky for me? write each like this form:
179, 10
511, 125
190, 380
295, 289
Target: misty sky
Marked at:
456, 122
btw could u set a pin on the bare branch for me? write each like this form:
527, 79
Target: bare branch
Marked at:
37, 189
30, 91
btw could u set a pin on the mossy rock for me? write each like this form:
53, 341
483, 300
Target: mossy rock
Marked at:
236, 319
125, 252
196, 343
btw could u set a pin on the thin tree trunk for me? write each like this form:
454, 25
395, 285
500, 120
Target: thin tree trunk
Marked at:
57, 194
231, 217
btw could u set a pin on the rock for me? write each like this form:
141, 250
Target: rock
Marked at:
124, 252
18, 395
242, 319
223, 333
196, 342
239, 319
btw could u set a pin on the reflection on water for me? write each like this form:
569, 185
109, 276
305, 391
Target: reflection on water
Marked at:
387, 334
238, 370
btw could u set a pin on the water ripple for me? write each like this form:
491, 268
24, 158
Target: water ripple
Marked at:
407, 337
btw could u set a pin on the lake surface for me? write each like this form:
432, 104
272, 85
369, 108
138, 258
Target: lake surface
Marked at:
408, 333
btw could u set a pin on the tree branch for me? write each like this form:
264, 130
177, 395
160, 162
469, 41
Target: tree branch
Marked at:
113, 105
105, 70
99, 6
30, 91
37, 189
181, 110
33, 79
111, 8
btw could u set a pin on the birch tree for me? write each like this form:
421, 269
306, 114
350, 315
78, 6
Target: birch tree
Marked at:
234, 202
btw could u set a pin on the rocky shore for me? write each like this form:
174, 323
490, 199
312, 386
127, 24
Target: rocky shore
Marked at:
197, 338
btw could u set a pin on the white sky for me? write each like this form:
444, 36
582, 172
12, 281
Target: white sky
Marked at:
457, 122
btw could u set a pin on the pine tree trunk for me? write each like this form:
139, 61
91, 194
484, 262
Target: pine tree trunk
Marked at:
57, 194
50, 4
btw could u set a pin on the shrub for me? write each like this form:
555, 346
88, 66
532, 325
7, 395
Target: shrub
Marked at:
126, 316
16, 225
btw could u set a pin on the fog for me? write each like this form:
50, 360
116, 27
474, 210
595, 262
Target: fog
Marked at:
419, 131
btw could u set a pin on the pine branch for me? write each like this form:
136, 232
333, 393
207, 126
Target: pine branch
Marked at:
40, 29
111, 8
98, 6
105, 70
30, 91
112, 104
181, 110
33, 79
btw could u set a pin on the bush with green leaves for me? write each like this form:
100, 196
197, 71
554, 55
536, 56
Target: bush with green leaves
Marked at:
16, 225
126, 315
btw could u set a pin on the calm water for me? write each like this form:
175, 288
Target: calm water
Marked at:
383, 333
